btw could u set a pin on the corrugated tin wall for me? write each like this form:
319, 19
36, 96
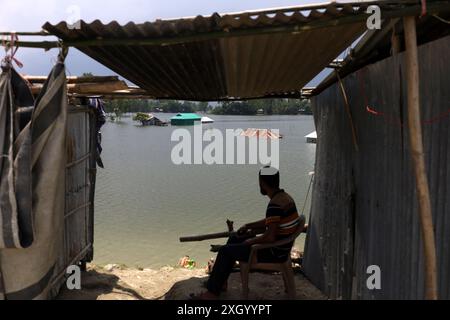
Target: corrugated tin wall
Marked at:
80, 188
364, 208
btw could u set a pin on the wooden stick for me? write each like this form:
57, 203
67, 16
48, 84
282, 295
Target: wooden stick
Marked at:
207, 236
416, 145
41, 33
202, 237
395, 42
88, 88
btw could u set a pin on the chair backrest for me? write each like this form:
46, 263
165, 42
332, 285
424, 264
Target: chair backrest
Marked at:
298, 231
300, 228
281, 242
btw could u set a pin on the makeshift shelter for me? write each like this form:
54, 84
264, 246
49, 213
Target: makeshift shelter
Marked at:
364, 209
274, 53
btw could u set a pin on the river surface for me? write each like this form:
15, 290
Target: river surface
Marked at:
144, 202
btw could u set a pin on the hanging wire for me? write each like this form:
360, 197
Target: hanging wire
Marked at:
347, 109
307, 193
441, 19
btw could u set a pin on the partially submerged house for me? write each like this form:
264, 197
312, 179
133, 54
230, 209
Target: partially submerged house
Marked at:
185, 119
261, 133
149, 119
364, 210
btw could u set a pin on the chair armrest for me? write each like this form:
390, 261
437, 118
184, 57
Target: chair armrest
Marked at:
254, 248
259, 246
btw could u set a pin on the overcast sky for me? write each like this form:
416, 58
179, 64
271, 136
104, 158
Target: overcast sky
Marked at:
30, 15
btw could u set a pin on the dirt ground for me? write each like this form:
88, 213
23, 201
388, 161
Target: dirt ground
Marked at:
114, 282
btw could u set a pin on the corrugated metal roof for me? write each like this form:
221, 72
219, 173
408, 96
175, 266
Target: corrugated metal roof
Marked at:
376, 45
265, 53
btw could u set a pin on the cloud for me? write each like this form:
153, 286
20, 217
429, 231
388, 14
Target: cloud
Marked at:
26, 15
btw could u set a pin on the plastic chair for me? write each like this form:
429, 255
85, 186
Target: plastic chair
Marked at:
285, 268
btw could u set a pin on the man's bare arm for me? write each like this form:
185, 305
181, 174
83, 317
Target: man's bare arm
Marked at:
267, 237
259, 225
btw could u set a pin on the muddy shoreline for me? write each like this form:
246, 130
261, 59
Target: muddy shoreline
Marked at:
118, 282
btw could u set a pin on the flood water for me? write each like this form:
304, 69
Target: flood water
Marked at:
144, 202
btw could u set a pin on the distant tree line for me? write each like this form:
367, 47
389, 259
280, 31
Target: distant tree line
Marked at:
143, 105
249, 107
264, 106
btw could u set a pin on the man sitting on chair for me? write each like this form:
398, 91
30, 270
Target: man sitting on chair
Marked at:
281, 221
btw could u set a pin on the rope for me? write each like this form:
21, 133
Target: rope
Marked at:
437, 118
392, 119
307, 193
441, 19
12, 49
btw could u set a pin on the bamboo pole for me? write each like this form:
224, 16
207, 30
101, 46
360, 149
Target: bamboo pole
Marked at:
46, 45
416, 145
42, 33
88, 88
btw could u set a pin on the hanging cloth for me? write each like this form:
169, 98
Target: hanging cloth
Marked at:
32, 182
16, 218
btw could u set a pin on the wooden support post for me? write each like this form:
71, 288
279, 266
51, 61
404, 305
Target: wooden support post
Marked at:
416, 146
395, 42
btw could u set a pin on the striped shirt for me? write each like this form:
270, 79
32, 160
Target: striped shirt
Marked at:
282, 211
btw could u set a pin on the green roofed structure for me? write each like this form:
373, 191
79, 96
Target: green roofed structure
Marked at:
184, 119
